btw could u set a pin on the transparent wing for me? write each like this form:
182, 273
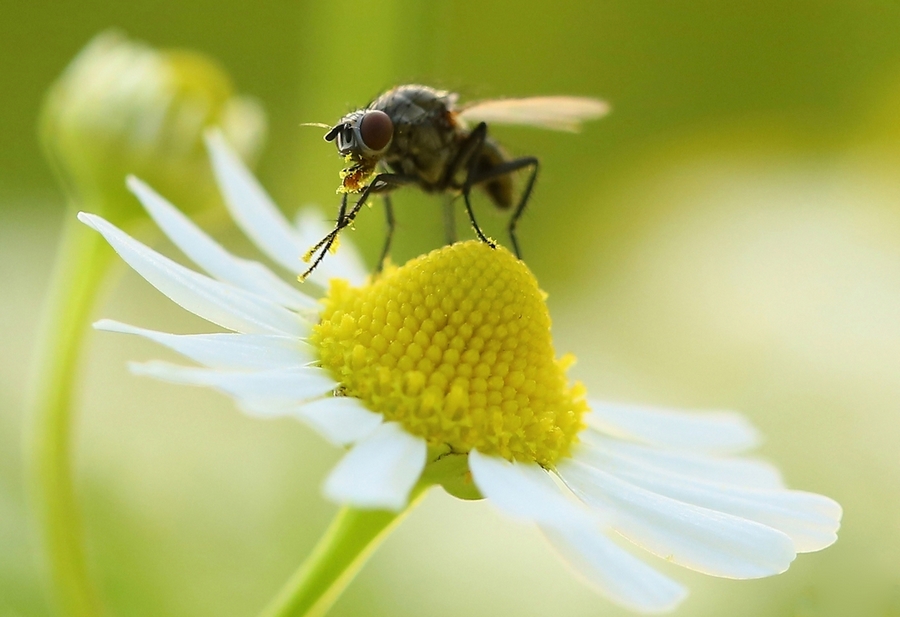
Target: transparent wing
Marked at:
560, 113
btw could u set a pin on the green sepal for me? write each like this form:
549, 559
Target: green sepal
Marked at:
451, 471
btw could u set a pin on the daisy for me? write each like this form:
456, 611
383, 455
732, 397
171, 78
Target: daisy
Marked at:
442, 371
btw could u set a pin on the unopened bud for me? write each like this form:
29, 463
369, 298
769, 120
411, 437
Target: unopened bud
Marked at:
122, 107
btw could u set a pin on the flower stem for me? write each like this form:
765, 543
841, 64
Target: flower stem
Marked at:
79, 268
348, 542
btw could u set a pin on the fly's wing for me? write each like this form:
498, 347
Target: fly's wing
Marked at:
559, 113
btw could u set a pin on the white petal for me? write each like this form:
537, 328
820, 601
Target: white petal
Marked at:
209, 255
291, 384
267, 407
225, 350
342, 420
219, 303
615, 573
698, 538
258, 216
810, 520
597, 450
346, 263
524, 491
380, 471
710, 431
252, 209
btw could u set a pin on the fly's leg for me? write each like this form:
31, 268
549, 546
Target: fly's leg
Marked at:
344, 220
468, 156
449, 221
472, 220
508, 168
382, 183
391, 224
326, 242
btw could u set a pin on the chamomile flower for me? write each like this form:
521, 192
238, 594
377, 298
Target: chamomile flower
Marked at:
442, 371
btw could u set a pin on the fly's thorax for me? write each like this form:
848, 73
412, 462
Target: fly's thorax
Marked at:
414, 103
426, 135
423, 151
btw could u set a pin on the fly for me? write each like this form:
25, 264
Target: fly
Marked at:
416, 135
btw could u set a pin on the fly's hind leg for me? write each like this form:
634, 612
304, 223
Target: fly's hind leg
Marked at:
507, 168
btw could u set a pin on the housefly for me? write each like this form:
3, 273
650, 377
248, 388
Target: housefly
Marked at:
416, 135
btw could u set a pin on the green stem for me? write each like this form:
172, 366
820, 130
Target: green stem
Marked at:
350, 540
79, 269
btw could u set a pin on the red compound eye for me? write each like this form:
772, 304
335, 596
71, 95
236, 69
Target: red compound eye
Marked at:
376, 130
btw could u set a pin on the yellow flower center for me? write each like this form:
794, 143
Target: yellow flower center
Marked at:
455, 345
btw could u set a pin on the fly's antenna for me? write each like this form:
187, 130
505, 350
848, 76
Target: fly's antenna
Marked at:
332, 130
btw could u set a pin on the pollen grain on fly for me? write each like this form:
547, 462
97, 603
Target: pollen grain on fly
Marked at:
455, 345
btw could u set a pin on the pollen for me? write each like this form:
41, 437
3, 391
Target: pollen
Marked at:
455, 346
357, 176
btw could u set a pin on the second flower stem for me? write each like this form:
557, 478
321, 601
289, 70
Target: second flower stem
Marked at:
349, 541
78, 272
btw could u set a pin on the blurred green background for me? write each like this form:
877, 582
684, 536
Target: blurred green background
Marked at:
728, 237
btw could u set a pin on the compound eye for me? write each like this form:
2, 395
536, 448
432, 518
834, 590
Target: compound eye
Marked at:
376, 130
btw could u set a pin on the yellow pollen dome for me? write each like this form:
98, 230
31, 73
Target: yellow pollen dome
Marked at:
455, 346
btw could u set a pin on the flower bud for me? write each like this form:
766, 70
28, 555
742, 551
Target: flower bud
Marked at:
122, 107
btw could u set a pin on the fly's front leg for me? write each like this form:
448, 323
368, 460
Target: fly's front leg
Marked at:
508, 168
382, 183
325, 243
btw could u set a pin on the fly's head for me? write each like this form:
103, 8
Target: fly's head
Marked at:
362, 138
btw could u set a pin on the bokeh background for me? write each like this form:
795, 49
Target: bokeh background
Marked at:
728, 238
